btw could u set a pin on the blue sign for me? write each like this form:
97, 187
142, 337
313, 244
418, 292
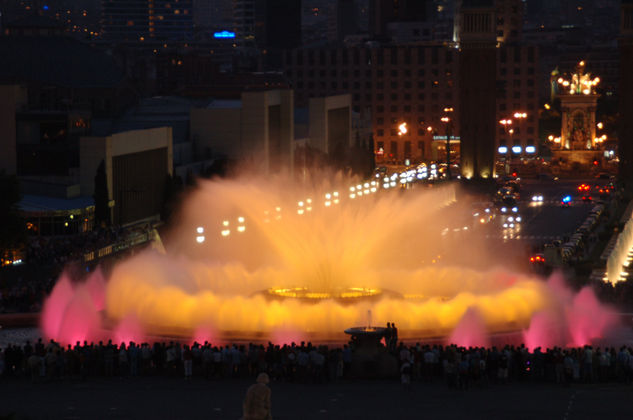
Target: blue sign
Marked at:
224, 34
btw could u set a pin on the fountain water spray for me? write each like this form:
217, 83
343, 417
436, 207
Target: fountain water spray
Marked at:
291, 276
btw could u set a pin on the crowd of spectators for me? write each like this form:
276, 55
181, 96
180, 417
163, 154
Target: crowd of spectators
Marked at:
458, 367
58, 250
45, 258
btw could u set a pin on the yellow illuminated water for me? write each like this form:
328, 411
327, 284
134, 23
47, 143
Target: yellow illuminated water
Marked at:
383, 247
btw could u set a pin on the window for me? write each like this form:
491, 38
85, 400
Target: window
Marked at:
420, 108
333, 72
393, 132
420, 85
394, 85
394, 147
517, 71
407, 84
380, 96
394, 108
502, 107
530, 82
380, 85
516, 95
503, 71
380, 145
394, 96
380, 73
407, 96
421, 72
380, 132
380, 109
421, 96
380, 121
368, 97
407, 149
530, 70
516, 83
394, 56
530, 130
407, 108
421, 54
334, 85
394, 73
421, 144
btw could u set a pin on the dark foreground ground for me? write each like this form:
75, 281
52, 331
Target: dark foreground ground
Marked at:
175, 398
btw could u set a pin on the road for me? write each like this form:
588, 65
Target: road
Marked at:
175, 398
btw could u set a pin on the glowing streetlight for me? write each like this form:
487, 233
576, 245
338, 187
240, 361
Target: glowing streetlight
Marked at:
600, 125
200, 229
200, 239
402, 129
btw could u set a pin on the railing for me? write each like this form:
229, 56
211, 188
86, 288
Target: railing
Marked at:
138, 239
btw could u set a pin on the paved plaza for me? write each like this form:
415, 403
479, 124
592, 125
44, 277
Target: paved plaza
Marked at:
175, 398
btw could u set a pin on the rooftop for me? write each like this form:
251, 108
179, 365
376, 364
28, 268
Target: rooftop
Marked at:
40, 203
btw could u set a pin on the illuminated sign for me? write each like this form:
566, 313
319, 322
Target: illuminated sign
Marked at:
444, 138
516, 149
503, 149
530, 149
224, 34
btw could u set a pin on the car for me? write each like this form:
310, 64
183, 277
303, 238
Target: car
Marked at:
537, 259
565, 201
584, 188
509, 200
537, 198
513, 185
586, 198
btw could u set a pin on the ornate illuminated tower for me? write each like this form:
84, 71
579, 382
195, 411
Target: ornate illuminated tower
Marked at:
578, 142
578, 102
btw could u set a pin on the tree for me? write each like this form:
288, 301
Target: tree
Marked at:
12, 228
101, 197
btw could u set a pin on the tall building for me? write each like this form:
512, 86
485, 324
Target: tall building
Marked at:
143, 20
477, 72
215, 15
509, 14
383, 12
625, 135
125, 20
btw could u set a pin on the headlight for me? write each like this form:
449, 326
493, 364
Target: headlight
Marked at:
515, 209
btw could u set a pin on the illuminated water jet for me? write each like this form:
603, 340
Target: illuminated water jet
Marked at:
290, 276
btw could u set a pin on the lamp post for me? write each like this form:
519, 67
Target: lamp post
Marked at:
447, 120
507, 123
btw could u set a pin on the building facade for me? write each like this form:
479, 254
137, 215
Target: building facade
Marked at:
414, 84
625, 135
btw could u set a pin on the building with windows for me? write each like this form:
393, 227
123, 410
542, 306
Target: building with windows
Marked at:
413, 84
145, 20
625, 135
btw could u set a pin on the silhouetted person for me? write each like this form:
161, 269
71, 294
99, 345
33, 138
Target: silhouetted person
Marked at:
257, 401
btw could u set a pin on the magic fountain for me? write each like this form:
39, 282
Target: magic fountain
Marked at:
256, 260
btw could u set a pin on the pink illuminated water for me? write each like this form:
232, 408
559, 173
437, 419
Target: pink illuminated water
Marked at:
471, 330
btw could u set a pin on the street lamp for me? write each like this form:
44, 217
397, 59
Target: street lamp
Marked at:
446, 120
506, 150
